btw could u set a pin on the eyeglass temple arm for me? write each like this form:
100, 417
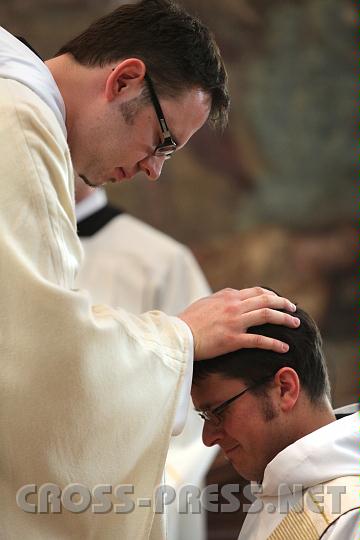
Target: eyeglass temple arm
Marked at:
156, 103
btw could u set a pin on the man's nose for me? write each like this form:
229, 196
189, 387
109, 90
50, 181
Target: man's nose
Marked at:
211, 434
152, 166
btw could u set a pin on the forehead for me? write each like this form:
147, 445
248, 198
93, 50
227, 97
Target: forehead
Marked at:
214, 389
186, 114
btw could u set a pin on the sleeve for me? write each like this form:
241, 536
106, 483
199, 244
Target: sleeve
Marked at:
184, 397
88, 393
184, 283
347, 526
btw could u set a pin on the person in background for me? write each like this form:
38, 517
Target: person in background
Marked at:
141, 268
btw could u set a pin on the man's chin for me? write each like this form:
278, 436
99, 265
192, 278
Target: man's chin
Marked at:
249, 476
240, 467
90, 184
87, 181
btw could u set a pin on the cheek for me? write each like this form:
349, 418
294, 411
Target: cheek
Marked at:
248, 428
233, 429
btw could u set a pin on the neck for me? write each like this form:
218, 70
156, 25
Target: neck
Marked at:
308, 417
79, 85
64, 76
82, 191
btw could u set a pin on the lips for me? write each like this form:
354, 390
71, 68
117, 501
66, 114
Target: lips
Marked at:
228, 452
120, 174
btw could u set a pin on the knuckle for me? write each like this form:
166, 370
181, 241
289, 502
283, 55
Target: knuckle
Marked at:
229, 292
266, 314
265, 300
226, 293
231, 310
258, 340
259, 290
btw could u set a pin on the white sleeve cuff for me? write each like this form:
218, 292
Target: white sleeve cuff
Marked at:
184, 397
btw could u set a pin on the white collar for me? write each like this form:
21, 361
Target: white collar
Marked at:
19, 63
91, 204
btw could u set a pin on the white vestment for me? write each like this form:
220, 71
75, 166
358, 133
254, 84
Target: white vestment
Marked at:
131, 264
87, 393
325, 454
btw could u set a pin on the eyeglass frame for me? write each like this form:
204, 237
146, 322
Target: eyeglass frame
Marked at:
168, 142
215, 419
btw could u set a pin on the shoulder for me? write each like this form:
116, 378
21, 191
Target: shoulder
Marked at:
25, 109
133, 234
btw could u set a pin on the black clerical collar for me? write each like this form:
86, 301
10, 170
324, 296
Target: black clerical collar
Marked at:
92, 224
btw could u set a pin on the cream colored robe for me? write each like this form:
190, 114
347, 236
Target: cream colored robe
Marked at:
87, 393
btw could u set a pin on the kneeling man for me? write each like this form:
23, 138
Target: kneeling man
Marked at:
271, 415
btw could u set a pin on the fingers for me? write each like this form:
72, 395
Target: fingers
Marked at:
267, 300
256, 298
254, 292
257, 341
269, 316
220, 322
244, 294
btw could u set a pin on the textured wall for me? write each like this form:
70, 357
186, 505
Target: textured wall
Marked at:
272, 200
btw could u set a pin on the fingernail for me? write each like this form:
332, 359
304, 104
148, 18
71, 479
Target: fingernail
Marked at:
285, 347
293, 307
296, 321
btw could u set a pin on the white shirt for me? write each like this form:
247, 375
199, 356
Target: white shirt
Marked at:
327, 453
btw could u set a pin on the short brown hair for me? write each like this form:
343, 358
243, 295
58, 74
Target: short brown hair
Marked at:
305, 356
179, 52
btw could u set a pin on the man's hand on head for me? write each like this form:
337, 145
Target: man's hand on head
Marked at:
219, 322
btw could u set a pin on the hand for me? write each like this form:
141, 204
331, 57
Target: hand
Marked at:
220, 321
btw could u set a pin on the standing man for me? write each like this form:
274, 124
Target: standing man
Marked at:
89, 393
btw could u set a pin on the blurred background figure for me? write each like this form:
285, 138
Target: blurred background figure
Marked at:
130, 264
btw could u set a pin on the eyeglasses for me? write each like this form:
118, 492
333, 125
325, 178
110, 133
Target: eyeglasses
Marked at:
213, 416
168, 146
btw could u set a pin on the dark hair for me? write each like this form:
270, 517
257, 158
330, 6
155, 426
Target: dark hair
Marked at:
179, 52
305, 356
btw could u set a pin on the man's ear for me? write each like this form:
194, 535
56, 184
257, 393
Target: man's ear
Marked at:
288, 385
125, 80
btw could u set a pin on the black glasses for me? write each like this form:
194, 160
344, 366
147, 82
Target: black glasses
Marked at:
213, 416
168, 146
